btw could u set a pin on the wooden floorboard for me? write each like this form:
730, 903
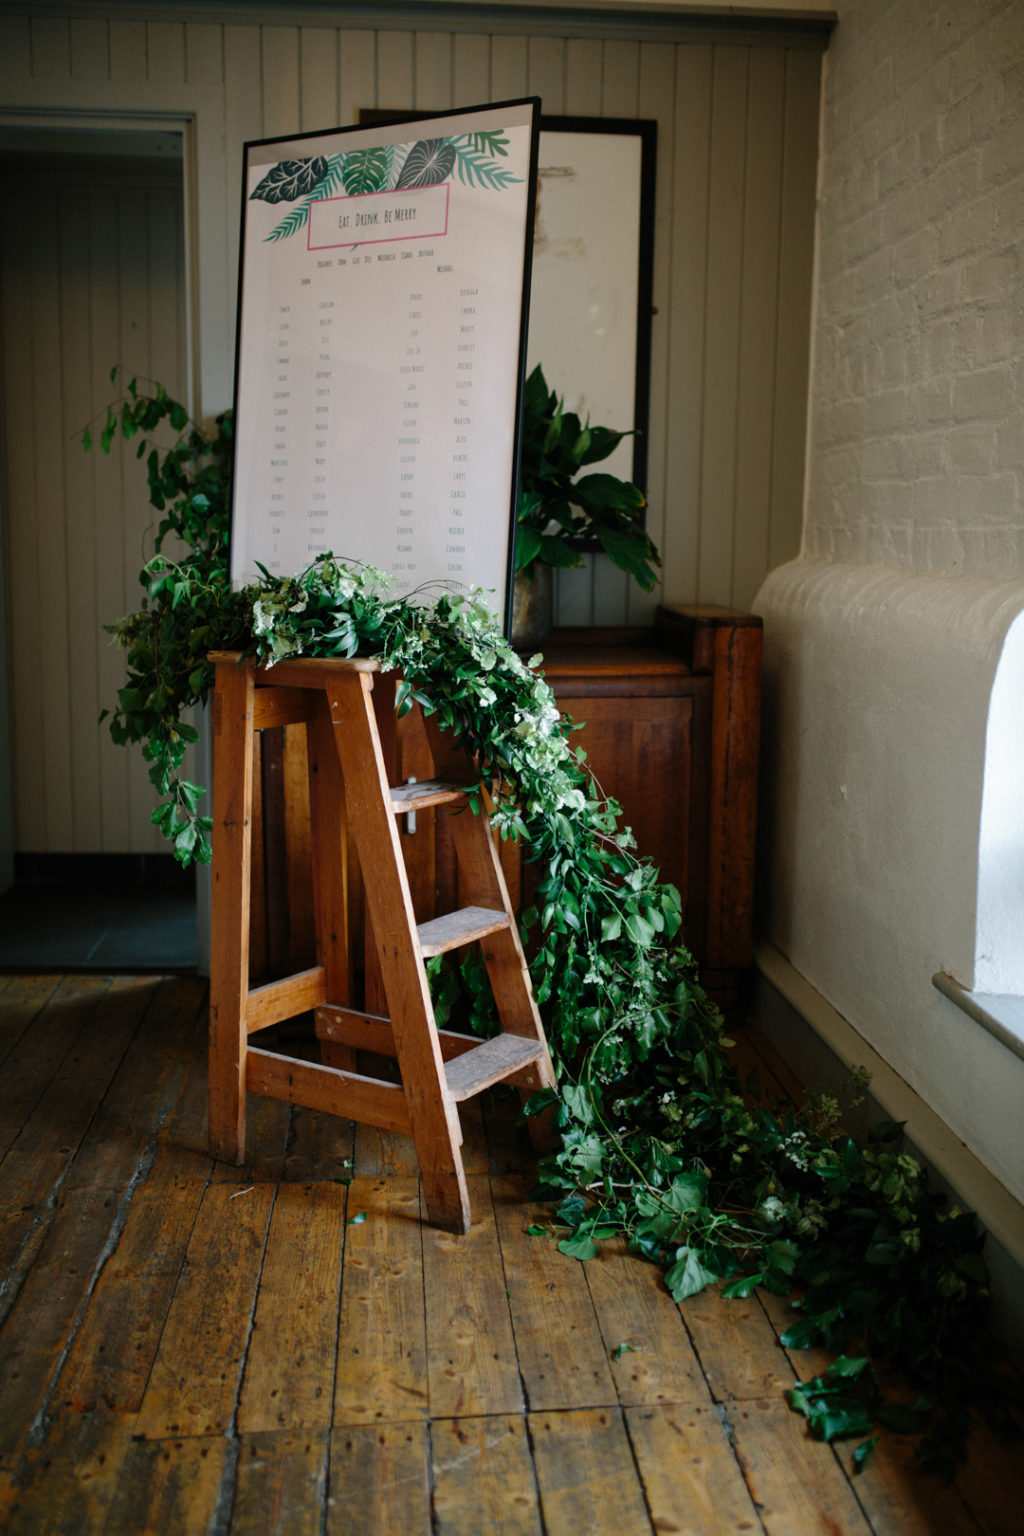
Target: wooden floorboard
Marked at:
286, 1347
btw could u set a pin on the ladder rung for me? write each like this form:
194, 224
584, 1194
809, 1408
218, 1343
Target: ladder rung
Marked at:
457, 928
418, 796
492, 1062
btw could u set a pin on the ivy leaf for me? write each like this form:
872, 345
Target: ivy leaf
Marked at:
291, 179
688, 1275
802, 1334
864, 1452
572, 1210
639, 930
687, 1191
357, 1220
739, 1290
579, 1247
839, 1418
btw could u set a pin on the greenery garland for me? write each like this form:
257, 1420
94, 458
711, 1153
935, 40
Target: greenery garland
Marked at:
659, 1140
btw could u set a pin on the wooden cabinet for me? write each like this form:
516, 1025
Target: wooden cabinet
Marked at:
669, 718
670, 723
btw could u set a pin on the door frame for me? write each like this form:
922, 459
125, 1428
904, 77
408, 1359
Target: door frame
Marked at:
127, 122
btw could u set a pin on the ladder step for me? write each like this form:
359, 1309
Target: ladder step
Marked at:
418, 796
457, 928
492, 1062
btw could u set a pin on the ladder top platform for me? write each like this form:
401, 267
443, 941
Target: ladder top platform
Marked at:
300, 671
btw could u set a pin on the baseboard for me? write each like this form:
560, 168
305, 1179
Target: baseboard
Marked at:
822, 1047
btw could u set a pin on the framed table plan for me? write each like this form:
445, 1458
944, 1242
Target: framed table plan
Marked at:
381, 348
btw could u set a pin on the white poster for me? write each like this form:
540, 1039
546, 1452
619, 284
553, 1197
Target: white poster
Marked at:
381, 336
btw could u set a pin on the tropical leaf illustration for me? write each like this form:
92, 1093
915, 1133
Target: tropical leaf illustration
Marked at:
489, 141
297, 217
333, 181
480, 171
427, 164
386, 167
365, 170
291, 179
291, 223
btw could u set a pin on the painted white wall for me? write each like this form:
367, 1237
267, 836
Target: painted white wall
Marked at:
893, 650
877, 687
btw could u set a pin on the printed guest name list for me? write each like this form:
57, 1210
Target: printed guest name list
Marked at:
378, 358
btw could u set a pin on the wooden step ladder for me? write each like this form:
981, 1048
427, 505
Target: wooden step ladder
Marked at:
352, 804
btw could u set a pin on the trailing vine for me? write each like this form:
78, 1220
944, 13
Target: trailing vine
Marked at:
659, 1139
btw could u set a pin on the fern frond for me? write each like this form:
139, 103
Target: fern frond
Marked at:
489, 141
477, 170
292, 222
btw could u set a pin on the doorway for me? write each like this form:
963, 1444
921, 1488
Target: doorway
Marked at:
92, 277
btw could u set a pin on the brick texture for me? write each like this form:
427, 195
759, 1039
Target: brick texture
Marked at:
916, 444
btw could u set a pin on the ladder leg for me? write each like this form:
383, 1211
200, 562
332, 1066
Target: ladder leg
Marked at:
330, 873
229, 959
433, 1115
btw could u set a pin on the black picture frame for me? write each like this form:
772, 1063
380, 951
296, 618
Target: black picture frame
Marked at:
621, 186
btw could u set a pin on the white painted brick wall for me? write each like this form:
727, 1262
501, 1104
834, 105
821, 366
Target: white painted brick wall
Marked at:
916, 436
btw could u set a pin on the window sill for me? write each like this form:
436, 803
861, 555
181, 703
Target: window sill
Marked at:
1001, 1016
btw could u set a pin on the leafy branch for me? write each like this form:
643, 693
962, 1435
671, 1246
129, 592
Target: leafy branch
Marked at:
659, 1139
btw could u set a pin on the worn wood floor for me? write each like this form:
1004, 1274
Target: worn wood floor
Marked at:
188, 1347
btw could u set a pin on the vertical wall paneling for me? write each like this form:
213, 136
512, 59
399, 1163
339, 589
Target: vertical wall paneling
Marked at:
117, 496
735, 201
610, 592
212, 199
90, 57
243, 122
574, 593
546, 73
433, 87
471, 70
51, 431
79, 541
758, 324
688, 216
26, 614
51, 47
165, 52
395, 70
204, 53
97, 280
281, 110
357, 74
130, 273
796, 263
509, 68
127, 50
584, 66
318, 75
15, 48
722, 318
620, 80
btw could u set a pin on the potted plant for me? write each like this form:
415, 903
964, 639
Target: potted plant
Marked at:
561, 510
